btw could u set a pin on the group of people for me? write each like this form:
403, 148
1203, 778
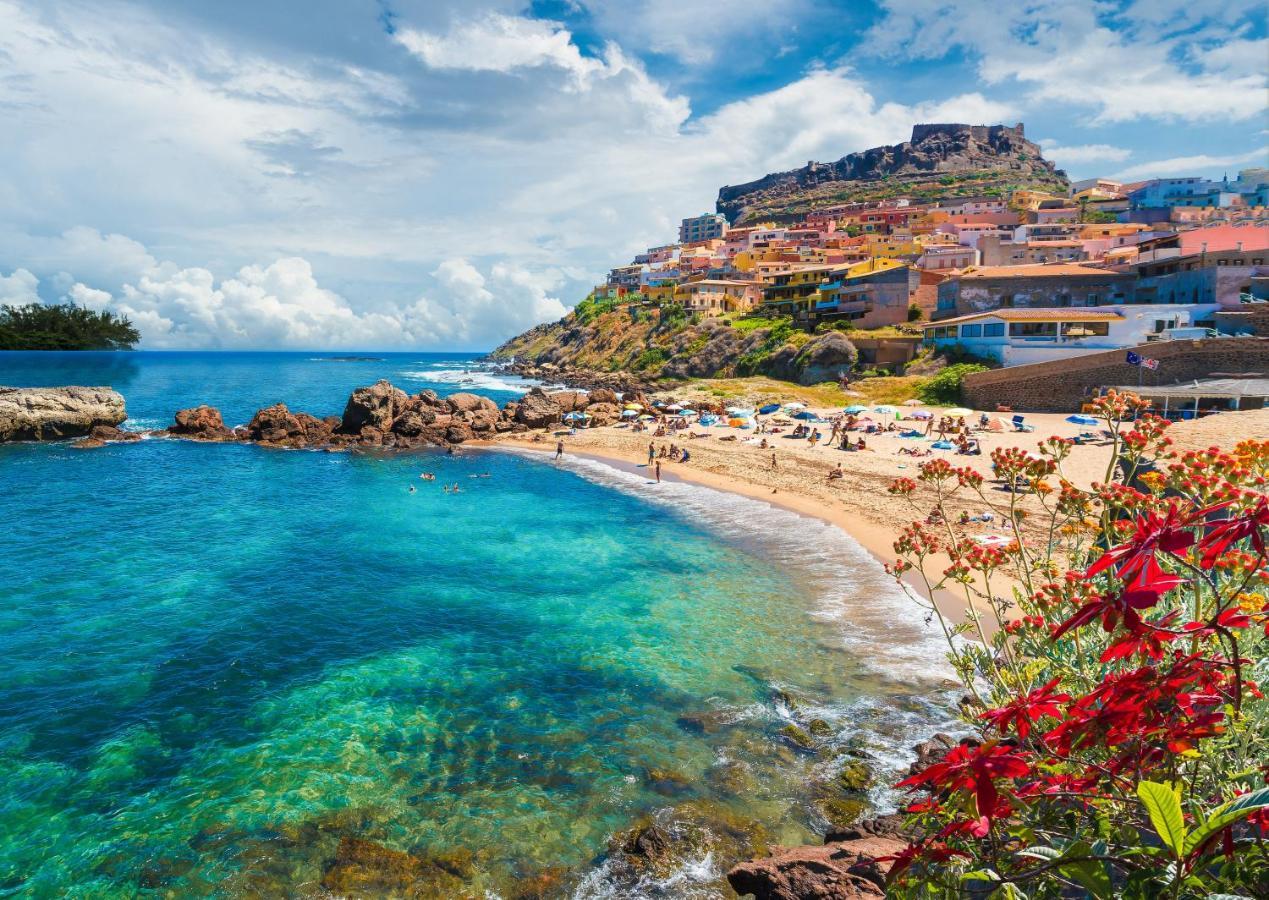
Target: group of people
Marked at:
454, 488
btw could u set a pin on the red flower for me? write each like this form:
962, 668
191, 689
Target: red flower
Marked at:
1146, 638
1031, 707
1169, 533
1251, 524
1122, 605
974, 769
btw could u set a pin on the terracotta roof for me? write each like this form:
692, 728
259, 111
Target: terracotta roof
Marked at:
1035, 271
1040, 314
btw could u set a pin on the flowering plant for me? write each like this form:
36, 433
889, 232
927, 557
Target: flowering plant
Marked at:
1120, 741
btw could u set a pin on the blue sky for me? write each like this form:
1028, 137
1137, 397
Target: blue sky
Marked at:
398, 173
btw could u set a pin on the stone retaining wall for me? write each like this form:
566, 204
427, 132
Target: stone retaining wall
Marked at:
1061, 385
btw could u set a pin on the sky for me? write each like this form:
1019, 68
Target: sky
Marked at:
400, 174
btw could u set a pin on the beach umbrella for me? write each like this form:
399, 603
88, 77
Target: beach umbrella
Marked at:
635, 406
684, 411
648, 418
673, 407
959, 411
806, 416
769, 409
739, 412
629, 413
885, 409
855, 409
1087, 421
795, 406
573, 416
913, 402
923, 414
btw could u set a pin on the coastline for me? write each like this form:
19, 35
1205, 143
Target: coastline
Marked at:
872, 537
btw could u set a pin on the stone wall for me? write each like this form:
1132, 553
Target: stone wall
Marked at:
1061, 386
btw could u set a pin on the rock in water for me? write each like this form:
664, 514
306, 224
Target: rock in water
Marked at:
202, 423
54, 413
373, 407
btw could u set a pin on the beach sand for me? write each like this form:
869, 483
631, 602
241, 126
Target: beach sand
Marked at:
859, 503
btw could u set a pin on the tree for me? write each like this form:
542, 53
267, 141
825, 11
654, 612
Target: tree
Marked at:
63, 327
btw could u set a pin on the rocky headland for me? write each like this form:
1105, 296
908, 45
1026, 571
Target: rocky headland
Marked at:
940, 161
58, 413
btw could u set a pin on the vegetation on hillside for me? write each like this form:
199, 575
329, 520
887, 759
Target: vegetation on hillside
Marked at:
65, 327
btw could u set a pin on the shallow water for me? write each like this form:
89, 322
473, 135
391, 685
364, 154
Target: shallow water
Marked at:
222, 659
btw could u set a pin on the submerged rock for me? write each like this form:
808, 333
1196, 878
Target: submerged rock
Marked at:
57, 413
363, 868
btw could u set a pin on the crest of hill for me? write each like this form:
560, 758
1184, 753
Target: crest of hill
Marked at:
941, 161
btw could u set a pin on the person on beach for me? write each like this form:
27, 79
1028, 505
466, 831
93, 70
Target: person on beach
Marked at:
836, 473
559, 449
774, 465
652, 453
658, 471
686, 456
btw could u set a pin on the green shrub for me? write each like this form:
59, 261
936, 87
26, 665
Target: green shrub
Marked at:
652, 358
945, 387
914, 313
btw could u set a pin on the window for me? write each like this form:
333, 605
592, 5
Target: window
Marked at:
1033, 329
971, 331
1094, 299
1085, 329
994, 329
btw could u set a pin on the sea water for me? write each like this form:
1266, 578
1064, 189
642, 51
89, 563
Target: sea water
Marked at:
219, 660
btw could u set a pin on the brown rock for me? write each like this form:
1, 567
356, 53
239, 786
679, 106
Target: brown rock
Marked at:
464, 402
87, 443
604, 413
410, 423
274, 425
929, 752
537, 409
603, 395
365, 869
111, 433
841, 871
571, 401
202, 423
375, 406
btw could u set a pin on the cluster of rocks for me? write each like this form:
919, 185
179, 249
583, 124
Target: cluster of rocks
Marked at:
386, 417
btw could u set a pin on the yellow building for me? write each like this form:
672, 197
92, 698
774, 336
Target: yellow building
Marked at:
1026, 199
891, 247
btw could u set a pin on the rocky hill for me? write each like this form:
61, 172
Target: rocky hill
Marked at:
651, 344
939, 162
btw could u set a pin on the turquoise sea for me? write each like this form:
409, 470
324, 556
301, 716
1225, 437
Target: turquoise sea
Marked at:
219, 661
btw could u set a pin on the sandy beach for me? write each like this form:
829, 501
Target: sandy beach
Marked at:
859, 502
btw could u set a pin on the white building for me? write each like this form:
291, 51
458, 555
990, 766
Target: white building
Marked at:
1015, 337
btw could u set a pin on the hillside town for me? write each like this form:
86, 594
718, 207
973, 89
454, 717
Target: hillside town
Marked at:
1016, 278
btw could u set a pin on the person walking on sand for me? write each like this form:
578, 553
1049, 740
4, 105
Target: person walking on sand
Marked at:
559, 449
773, 462
652, 452
658, 471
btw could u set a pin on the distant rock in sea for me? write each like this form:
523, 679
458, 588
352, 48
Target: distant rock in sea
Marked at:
57, 413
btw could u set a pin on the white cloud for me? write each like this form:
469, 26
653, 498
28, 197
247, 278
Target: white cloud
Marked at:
82, 295
19, 288
1083, 53
1081, 154
1180, 166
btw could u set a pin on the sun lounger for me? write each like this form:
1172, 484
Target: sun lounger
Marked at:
1020, 425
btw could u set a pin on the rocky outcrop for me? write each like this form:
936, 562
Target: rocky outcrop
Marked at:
995, 155
824, 358
373, 407
56, 413
839, 871
538, 409
201, 423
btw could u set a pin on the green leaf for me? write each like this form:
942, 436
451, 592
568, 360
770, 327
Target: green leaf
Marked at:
1163, 803
1225, 815
1091, 874
980, 875
1040, 852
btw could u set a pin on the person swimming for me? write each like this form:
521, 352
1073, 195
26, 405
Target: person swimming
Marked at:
428, 476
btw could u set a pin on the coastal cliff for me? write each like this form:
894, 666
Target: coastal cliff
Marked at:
941, 161
57, 413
